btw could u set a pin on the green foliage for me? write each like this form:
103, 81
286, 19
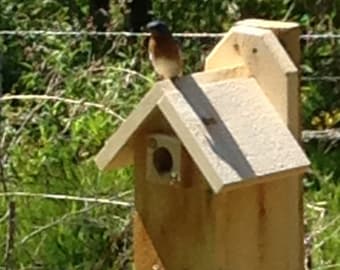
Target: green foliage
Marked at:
50, 143
323, 203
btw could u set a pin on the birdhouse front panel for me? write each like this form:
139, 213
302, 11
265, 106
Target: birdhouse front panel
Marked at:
173, 218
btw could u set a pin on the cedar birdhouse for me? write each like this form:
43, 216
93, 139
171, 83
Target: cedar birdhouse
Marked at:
217, 161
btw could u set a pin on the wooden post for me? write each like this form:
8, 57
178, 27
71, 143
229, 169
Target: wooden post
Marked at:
288, 34
280, 203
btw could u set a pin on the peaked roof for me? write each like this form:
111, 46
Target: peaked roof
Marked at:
229, 128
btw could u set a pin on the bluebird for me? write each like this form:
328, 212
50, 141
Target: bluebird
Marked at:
164, 52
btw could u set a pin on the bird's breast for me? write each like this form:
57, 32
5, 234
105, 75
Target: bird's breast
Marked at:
167, 67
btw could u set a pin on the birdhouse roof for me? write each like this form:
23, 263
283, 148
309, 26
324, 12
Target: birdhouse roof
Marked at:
230, 129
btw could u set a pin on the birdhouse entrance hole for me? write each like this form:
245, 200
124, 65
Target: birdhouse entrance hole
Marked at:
162, 160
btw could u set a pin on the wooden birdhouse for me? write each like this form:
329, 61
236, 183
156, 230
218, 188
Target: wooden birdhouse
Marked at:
217, 159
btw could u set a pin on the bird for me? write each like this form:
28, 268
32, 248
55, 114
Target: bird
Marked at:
164, 51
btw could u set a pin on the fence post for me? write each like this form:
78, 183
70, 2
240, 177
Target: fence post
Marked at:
285, 96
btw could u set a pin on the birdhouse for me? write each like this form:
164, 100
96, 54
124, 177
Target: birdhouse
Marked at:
217, 160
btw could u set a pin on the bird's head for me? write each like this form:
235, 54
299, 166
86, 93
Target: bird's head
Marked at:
158, 28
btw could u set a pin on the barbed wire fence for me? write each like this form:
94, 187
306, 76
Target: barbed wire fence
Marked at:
307, 135
23, 33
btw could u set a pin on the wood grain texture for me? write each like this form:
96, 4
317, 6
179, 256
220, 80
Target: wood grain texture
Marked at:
174, 218
267, 61
145, 255
282, 199
193, 228
288, 34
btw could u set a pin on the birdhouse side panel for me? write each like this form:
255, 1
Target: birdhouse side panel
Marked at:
258, 227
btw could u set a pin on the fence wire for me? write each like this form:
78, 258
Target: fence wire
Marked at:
307, 135
320, 78
29, 33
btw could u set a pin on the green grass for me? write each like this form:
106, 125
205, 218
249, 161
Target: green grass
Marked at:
322, 205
